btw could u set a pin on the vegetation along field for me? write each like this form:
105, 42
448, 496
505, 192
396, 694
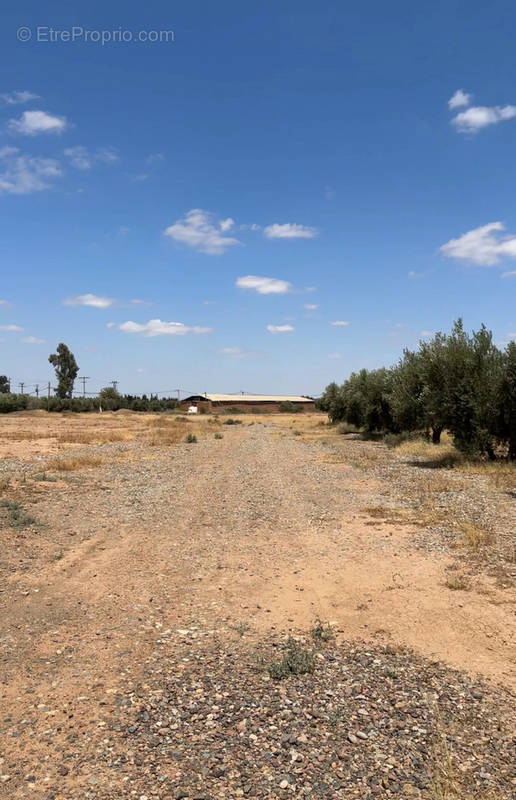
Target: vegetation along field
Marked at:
252, 606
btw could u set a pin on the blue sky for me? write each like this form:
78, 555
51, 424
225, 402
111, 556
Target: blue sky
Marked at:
275, 169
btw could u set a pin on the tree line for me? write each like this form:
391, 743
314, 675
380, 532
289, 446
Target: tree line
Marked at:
459, 382
67, 369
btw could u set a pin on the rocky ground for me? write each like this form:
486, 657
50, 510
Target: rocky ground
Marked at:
147, 600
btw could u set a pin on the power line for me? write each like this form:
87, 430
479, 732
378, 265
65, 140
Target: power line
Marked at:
84, 378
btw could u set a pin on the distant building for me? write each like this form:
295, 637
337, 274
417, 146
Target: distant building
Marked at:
245, 402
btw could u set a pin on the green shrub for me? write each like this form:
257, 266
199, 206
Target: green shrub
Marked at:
218, 436
288, 407
12, 402
322, 632
191, 438
296, 660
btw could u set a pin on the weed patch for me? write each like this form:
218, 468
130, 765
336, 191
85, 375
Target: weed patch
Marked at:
322, 632
296, 660
457, 583
72, 464
16, 516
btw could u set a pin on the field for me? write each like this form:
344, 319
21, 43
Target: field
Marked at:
191, 608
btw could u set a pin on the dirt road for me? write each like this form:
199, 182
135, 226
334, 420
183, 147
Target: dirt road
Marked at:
259, 530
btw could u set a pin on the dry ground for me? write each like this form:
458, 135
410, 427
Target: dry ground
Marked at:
128, 553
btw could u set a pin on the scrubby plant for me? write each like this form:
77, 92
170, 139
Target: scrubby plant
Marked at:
322, 631
296, 660
191, 438
288, 407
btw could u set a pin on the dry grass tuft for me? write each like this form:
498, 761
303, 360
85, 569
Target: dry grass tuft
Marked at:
24, 435
474, 536
394, 516
501, 474
95, 437
433, 455
166, 436
448, 781
457, 583
72, 464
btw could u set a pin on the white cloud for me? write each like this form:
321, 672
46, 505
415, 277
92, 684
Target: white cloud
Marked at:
484, 245
199, 230
110, 325
32, 340
252, 227
4, 303
94, 300
23, 174
289, 230
81, 158
234, 352
335, 356
459, 99
280, 328
310, 306
14, 328
155, 327
263, 285
478, 117
14, 98
226, 224
33, 122
340, 323
108, 155
426, 334
510, 274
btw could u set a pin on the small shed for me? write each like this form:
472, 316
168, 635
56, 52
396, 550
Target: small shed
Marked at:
214, 403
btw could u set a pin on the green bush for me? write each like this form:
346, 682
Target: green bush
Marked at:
12, 402
191, 438
288, 407
296, 660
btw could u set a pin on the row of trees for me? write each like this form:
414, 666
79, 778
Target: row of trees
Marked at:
459, 382
67, 369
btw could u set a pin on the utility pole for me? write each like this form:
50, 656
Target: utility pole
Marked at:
84, 379
21, 385
48, 396
178, 395
114, 384
36, 389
